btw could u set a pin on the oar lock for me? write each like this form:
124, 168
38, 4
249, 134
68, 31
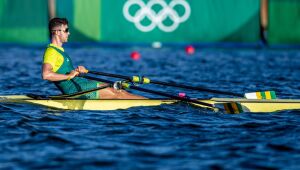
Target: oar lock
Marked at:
135, 80
118, 85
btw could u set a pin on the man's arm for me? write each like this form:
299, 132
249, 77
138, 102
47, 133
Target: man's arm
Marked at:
48, 74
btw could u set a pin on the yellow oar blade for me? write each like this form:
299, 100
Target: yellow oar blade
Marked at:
261, 95
233, 107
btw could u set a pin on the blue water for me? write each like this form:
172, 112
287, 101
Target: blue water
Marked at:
163, 137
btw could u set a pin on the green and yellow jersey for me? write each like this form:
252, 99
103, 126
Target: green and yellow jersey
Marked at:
62, 64
53, 57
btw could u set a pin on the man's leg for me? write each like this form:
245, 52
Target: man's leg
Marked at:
111, 93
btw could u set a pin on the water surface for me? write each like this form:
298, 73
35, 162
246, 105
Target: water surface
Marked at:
163, 137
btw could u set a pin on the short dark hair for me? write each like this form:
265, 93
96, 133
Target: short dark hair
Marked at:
54, 22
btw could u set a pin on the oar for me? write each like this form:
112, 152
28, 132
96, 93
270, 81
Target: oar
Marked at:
126, 85
144, 80
78, 93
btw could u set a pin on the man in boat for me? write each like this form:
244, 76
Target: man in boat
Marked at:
58, 68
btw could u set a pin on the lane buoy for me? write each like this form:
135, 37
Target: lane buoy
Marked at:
189, 50
135, 55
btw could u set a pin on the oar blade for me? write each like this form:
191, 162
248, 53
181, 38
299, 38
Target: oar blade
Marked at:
233, 107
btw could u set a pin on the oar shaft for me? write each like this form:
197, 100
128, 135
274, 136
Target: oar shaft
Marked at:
171, 96
169, 84
195, 88
78, 93
110, 75
154, 92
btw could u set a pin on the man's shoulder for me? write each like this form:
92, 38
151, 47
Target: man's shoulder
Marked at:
51, 51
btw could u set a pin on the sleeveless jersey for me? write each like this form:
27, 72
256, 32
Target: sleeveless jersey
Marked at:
61, 63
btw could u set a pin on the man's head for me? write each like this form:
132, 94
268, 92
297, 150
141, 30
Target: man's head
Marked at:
59, 27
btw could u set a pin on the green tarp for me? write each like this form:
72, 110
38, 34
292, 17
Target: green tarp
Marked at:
134, 21
23, 21
284, 22
208, 21
84, 18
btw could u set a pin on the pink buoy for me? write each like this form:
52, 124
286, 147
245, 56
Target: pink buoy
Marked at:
135, 55
189, 50
182, 95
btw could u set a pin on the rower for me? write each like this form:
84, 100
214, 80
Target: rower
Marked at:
58, 68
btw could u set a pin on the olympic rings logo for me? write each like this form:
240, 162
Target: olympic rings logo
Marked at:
146, 11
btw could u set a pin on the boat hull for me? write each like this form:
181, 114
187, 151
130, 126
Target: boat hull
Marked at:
79, 104
248, 105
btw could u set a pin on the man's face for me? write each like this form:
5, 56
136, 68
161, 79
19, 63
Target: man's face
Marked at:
63, 33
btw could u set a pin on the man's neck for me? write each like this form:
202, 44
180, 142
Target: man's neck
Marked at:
56, 42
